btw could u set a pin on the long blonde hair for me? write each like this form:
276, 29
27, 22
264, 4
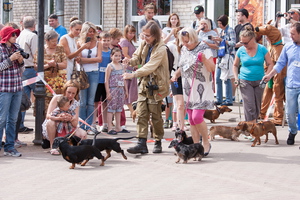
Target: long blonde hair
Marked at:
84, 30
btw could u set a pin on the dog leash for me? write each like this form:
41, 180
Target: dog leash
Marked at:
217, 108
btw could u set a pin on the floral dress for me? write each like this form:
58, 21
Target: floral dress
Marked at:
117, 90
54, 77
196, 80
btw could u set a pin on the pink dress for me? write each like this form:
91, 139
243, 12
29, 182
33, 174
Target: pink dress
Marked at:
131, 83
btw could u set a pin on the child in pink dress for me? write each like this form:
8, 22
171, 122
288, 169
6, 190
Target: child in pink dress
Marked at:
116, 90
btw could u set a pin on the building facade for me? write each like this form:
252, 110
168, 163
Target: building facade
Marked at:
117, 13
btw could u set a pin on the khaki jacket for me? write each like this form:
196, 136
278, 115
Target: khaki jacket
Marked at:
157, 66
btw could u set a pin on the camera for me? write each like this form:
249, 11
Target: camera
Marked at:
23, 53
262, 84
209, 37
280, 15
151, 88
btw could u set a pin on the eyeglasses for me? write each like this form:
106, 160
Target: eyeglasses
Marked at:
147, 36
13, 35
89, 53
184, 33
246, 43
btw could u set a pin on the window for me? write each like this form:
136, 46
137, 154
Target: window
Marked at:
163, 6
94, 10
49, 9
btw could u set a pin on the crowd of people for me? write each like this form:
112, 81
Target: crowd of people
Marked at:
119, 74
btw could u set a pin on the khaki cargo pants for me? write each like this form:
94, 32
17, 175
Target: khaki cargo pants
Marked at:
145, 109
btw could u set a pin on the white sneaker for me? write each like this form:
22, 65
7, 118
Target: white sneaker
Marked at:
13, 153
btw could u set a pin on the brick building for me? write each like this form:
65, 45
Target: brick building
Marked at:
118, 13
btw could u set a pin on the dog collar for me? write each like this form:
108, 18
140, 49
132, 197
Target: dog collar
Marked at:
276, 43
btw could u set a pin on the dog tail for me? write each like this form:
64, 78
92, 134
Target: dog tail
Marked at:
128, 138
94, 139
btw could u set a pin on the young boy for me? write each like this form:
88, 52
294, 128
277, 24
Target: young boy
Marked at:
105, 39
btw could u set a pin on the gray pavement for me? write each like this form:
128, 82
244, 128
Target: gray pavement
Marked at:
233, 170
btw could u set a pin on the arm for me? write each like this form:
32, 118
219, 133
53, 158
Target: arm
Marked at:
236, 65
125, 52
176, 75
51, 107
97, 59
106, 82
268, 62
166, 37
64, 42
208, 63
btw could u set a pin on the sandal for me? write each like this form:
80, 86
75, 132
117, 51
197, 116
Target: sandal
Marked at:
112, 132
54, 152
124, 131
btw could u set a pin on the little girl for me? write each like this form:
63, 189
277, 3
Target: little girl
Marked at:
116, 90
63, 109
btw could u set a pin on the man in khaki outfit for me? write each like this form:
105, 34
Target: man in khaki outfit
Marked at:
153, 85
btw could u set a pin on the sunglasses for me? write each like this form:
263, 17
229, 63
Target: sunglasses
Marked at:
246, 43
13, 35
89, 53
184, 33
291, 12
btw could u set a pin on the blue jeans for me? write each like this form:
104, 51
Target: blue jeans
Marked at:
87, 98
8, 116
228, 88
292, 108
27, 74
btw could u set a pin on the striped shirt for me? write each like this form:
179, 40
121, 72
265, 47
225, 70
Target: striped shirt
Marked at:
10, 71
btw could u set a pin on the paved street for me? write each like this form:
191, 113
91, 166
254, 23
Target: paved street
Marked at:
233, 170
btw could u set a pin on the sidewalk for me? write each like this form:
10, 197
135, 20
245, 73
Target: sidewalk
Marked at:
233, 170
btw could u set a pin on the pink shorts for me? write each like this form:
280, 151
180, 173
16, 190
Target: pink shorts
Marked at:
195, 116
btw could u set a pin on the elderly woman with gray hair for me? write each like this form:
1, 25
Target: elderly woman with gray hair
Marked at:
55, 64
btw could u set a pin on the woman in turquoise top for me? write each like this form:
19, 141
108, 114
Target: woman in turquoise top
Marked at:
252, 57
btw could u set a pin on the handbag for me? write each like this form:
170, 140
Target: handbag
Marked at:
25, 102
80, 77
222, 49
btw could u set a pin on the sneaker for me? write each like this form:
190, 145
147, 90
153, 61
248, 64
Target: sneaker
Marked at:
17, 145
90, 132
25, 130
21, 143
174, 128
170, 124
104, 129
166, 124
13, 153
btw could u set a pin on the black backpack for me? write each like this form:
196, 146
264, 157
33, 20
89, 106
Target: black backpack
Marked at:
170, 59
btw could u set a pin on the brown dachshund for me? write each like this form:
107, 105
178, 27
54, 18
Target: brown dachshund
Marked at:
224, 131
212, 115
259, 129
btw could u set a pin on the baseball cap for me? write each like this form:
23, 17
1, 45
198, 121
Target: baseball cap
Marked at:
244, 11
198, 9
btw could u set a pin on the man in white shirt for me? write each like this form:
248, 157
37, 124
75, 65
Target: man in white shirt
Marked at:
28, 41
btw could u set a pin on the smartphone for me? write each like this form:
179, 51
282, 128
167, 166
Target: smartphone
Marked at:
209, 37
88, 39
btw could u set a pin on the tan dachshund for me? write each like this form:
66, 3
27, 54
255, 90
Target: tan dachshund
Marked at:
224, 131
